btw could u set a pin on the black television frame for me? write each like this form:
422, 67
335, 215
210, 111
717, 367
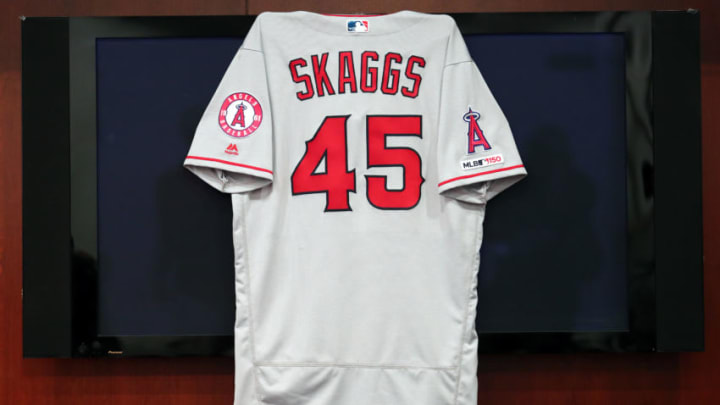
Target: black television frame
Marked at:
665, 259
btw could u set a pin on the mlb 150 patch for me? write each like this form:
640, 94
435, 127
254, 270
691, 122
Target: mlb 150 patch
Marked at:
482, 161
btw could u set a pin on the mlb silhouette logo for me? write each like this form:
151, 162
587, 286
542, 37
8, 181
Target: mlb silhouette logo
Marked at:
357, 26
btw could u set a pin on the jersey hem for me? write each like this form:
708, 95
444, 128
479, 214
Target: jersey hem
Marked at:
351, 365
226, 162
454, 179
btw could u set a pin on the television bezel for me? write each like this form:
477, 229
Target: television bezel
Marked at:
664, 266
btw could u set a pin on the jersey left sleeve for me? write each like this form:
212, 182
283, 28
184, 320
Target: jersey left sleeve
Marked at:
232, 149
477, 155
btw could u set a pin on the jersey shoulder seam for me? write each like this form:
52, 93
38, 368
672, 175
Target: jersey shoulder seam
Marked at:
242, 48
457, 63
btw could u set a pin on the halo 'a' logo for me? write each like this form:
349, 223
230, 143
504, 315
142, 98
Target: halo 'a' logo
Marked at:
240, 115
475, 135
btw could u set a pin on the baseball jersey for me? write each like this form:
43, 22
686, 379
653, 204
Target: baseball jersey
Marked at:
359, 153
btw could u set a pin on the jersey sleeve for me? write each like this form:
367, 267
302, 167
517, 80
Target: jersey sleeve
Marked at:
477, 155
232, 149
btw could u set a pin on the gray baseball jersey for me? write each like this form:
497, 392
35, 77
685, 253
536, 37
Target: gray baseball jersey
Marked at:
359, 153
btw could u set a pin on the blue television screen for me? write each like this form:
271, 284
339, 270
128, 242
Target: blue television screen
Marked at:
554, 250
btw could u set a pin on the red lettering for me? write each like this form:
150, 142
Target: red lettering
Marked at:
346, 65
321, 77
387, 88
416, 78
371, 71
298, 78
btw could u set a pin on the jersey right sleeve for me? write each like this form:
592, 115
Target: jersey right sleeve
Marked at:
232, 149
477, 155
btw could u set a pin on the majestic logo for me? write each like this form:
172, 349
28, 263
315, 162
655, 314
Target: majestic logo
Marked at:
231, 149
475, 134
240, 115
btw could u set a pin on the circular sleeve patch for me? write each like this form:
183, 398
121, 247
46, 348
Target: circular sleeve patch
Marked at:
240, 115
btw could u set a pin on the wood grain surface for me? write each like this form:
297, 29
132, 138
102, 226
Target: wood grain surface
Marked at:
588, 379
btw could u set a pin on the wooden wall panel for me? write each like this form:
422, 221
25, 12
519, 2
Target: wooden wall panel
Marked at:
588, 379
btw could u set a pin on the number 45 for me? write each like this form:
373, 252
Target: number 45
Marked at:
336, 182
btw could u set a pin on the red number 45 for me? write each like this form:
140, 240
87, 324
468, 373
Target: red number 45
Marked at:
336, 181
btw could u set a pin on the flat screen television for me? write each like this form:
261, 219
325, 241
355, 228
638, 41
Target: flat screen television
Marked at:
598, 250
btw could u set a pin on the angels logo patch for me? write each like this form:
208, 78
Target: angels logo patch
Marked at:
475, 135
240, 115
